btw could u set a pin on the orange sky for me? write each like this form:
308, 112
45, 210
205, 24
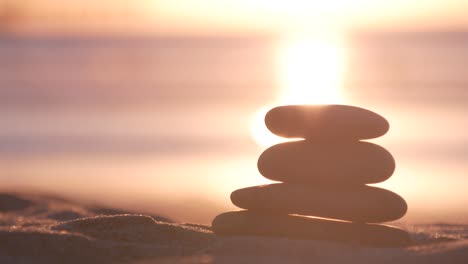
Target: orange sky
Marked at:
205, 16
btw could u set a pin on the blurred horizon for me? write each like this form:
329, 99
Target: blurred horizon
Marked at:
219, 17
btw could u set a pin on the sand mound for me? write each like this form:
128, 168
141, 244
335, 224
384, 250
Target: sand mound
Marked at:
136, 228
37, 229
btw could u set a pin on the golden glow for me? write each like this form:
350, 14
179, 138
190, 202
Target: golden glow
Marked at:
260, 132
287, 16
310, 72
221, 16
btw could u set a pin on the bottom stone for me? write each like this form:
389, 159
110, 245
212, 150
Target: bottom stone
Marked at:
249, 223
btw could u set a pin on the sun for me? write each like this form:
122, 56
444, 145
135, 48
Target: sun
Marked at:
309, 72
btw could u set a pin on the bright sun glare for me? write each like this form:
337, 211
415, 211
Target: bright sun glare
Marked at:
310, 72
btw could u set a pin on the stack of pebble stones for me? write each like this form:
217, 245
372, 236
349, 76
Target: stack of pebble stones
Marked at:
324, 176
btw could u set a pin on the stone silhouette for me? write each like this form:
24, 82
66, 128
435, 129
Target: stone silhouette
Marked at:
323, 193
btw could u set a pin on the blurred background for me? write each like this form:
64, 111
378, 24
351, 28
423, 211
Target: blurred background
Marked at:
158, 105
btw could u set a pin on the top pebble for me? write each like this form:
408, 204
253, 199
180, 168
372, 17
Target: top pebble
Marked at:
335, 122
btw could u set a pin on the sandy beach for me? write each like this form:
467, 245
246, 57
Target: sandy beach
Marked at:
38, 228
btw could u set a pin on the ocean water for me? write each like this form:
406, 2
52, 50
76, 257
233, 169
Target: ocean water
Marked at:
164, 123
